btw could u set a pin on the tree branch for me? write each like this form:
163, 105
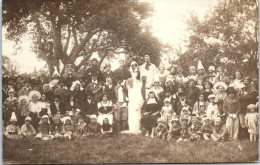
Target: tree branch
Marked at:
68, 39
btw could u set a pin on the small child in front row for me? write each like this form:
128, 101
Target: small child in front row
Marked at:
194, 130
12, 130
207, 128
44, 129
56, 128
68, 129
81, 128
185, 115
161, 130
94, 128
106, 129
184, 131
219, 131
175, 129
27, 130
252, 122
167, 112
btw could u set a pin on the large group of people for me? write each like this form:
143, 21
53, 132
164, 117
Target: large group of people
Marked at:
207, 104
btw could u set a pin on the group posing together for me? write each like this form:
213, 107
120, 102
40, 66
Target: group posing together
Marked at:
159, 102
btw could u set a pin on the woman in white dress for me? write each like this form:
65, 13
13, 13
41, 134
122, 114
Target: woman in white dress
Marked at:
134, 106
134, 71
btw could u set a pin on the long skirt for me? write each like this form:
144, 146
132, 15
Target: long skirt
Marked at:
232, 126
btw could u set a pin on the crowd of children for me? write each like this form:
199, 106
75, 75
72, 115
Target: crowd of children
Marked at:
77, 105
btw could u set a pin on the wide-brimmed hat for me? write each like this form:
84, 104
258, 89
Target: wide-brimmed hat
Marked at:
34, 92
211, 96
231, 90
251, 106
24, 97
28, 118
218, 84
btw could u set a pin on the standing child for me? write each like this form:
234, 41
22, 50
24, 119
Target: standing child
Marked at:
12, 130
44, 129
27, 129
23, 108
35, 107
167, 112
175, 129
56, 128
219, 131
252, 122
8, 105
161, 130
106, 129
68, 129
212, 109
94, 128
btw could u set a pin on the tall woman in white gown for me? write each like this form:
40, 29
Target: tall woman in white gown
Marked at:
134, 105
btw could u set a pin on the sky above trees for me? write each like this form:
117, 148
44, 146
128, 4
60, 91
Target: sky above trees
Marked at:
168, 24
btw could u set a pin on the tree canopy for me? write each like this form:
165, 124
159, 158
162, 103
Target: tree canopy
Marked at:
65, 30
227, 35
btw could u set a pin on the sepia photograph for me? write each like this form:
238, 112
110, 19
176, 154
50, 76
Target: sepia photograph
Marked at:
130, 81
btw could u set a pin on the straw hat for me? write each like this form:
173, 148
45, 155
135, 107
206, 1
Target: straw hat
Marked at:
24, 97
218, 84
34, 92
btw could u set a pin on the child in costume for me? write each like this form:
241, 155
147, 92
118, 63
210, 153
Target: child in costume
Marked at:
23, 108
56, 128
68, 129
206, 128
27, 129
167, 112
94, 128
219, 131
81, 127
161, 130
185, 115
44, 129
12, 130
175, 129
194, 130
252, 122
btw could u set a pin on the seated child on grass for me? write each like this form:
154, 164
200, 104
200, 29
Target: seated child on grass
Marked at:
12, 130
184, 132
106, 128
175, 129
94, 128
185, 115
219, 131
27, 130
161, 130
56, 128
194, 130
44, 129
68, 129
81, 128
207, 128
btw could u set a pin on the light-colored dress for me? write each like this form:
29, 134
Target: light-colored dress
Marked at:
252, 122
167, 113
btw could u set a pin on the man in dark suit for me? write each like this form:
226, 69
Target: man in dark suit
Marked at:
57, 107
182, 103
89, 107
94, 69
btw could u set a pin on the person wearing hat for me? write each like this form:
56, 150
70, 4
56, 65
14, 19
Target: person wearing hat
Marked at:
56, 128
12, 130
62, 91
194, 130
211, 74
202, 75
161, 130
221, 76
94, 127
69, 75
185, 115
252, 122
68, 130
157, 88
247, 95
200, 106
27, 130
212, 109
206, 128
23, 108
44, 129
89, 106
149, 70
221, 95
167, 111
175, 128
108, 72
93, 69
192, 73
161, 74
219, 131
170, 86
150, 113
231, 108
134, 71
183, 102
9, 105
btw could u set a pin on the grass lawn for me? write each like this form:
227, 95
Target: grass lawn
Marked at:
127, 149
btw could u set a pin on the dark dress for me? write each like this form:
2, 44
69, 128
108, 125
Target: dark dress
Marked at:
149, 121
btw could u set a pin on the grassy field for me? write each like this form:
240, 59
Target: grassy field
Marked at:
127, 149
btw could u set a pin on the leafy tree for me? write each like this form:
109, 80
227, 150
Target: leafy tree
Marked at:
228, 34
67, 30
